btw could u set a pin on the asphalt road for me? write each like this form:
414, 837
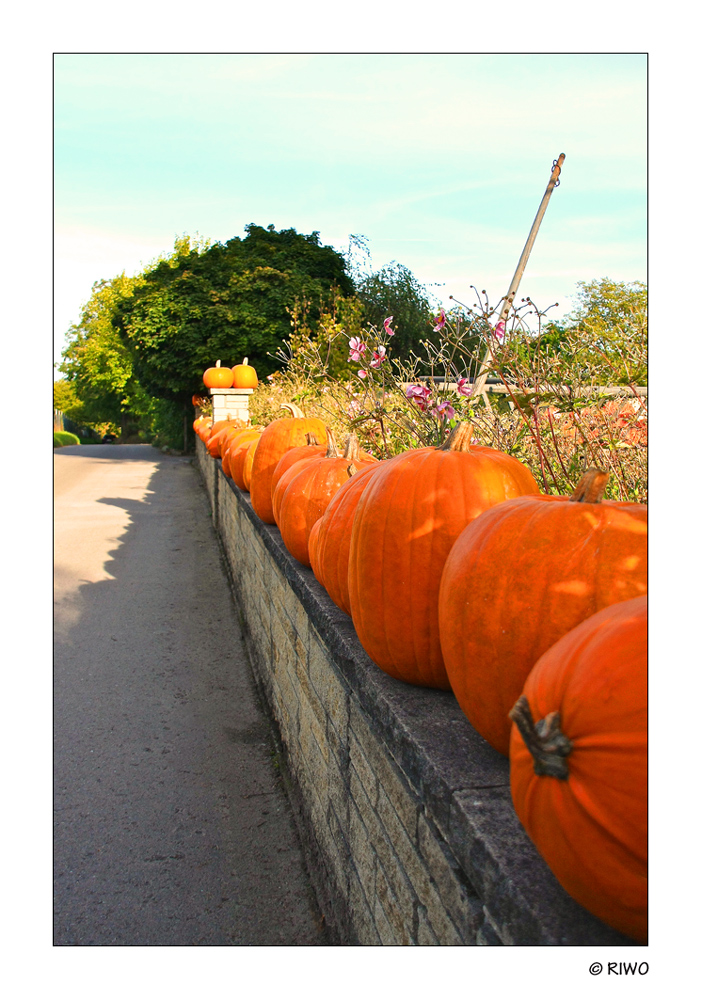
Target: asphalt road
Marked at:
172, 824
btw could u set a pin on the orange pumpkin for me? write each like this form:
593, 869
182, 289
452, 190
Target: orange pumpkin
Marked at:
277, 438
406, 521
521, 576
247, 466
218, 377
330, 557
301, 453
312, 543
578, 763
237, 455
219, 434
203, 428
229, 438
312, 485
244, 376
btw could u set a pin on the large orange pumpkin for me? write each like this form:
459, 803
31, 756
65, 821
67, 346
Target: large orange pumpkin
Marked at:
578, 763
229, 438
237, 455
329, 557
277, 438
244, 376
218, 377
521, 576
406, 521
301, 453
312, 484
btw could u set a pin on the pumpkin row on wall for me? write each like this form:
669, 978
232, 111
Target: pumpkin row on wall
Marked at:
459, 574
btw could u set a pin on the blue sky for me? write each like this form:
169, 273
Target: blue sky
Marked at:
440, 161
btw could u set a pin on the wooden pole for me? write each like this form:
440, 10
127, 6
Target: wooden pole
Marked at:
479, 383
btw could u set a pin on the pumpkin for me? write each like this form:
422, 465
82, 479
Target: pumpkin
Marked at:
277, 438
219, 433
301, 453
312, 543
244, 376
219, 425
578, 763
204, 425
406, 521
198, 400
218, 377
229, 437
247, 464
236, 454
522, 575
312, 485
330, 556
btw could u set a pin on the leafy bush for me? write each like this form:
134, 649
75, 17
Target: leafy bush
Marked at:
556, 412
62, 438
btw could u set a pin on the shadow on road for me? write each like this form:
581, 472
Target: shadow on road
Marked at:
172, 825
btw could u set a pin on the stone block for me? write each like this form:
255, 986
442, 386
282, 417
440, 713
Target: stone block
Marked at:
361, 913
457, 895
362, 852
425, 935
331, 688
399, 918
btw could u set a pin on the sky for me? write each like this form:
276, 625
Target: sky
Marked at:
439, 161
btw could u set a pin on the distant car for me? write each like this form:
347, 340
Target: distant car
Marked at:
109, 439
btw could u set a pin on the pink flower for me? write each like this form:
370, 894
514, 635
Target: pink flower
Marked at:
386, 325
440, 321
444, 409
499, 330
463, 387
356, 348
418, 394
378, 357
362, 373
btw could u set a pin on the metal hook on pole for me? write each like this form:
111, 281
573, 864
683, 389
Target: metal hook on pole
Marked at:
554, 181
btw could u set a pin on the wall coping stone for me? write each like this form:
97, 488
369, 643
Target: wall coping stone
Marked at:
462, 781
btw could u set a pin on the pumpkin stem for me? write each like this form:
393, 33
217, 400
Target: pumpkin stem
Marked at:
352, 470
545, 742
312, 439
218, 364
332, 450
295, 411
245, 361
591, 486
351, 448
459, 438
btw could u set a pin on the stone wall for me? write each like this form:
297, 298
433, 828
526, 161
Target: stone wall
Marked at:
404, 810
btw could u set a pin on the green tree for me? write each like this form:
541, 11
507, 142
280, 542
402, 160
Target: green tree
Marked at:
607, 330
394, 291
229, 301
98, 364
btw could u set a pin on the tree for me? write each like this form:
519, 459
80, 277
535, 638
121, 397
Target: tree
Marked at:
394, 291
607, 330
98, 364
605, 335
229, 301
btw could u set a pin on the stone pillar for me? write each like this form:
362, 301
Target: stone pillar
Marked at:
230, 404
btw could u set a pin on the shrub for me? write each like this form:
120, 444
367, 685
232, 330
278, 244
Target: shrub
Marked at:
62, 438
